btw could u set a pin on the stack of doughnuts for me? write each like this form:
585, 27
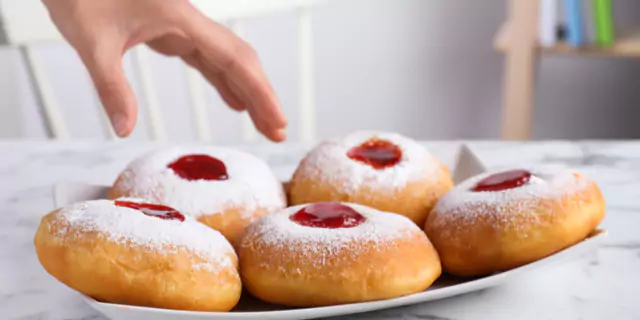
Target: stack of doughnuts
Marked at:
370, 216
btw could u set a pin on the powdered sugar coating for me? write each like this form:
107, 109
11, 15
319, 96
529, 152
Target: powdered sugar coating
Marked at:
323, 245
329, 161
251, 183
130, 227
510, 206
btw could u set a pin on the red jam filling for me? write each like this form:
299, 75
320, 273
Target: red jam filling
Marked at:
154, 210
377, 153
504, 180
329, 215
199, 167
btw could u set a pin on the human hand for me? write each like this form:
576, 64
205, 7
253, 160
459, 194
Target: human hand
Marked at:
102, 31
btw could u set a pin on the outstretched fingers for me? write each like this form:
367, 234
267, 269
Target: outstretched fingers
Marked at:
231, 64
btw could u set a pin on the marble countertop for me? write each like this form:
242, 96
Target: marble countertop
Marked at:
602, 285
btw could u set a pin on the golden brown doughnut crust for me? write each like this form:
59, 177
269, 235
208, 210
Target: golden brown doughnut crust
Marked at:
480, 246
231, 222
291, 275
414, 200
114, 273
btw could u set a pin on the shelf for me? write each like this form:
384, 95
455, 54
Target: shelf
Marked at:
627, 45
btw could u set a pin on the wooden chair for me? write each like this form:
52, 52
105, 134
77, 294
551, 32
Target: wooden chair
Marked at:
25, 23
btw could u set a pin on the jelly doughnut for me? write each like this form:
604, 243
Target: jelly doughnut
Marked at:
386, 171
136, 253
504, 219
223, 188
331, 253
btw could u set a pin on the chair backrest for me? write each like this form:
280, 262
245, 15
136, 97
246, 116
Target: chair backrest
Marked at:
25, 23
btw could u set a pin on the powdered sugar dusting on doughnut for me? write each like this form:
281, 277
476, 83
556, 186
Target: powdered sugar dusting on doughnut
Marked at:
465, 206
379, 229
251, 183
134, 228
329, 161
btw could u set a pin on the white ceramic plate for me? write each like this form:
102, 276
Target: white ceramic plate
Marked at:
467, 164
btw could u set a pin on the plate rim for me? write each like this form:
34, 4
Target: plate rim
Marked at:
596, 237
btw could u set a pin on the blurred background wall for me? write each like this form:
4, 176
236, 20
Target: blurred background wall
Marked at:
425, 68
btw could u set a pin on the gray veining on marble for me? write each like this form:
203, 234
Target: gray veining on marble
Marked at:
602, 285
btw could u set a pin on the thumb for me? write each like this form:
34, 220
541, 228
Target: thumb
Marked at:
114, 91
